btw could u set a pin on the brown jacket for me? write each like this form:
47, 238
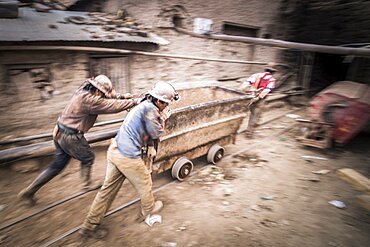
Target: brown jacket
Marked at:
84, 108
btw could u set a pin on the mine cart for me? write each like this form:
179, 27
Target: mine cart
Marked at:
202, 122
336, 114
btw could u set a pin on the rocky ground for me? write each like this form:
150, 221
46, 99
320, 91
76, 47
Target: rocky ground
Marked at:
267, 194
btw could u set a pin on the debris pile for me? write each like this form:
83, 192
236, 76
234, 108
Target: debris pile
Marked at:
209, 175
110, 24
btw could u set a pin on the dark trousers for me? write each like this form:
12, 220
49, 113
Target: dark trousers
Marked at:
67, 146
71, 146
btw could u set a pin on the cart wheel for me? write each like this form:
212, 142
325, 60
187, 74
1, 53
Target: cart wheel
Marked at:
181, 168
215, 154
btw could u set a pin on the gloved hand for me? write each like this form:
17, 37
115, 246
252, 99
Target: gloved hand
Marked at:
137, 100
127, 96
166, 113
151, 152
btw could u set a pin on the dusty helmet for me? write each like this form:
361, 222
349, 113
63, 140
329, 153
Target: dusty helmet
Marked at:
165, 92
103, 83
271, 66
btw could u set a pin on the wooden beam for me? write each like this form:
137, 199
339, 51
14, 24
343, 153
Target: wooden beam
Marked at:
354, 178
47, 148
284, 44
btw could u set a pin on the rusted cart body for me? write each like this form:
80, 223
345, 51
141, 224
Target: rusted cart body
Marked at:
337, 114
205, 117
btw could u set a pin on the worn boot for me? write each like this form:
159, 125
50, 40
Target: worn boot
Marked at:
27, 194
98, 233
87, 183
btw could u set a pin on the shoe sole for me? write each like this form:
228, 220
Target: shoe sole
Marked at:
97, 234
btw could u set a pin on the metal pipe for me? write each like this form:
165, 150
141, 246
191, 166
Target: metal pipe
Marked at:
284, 44
47, 135
47, 148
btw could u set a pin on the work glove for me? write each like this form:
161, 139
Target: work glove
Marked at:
125, 96
151, 152
137, 100
166, 113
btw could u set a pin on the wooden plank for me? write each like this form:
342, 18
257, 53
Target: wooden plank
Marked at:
364, 200
354, 178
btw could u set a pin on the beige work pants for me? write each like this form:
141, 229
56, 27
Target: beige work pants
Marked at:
118, 169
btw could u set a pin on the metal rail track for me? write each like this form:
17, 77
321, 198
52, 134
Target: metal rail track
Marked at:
66, 199
75, 229
79, 194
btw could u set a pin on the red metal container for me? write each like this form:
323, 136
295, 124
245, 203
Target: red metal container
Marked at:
346, 105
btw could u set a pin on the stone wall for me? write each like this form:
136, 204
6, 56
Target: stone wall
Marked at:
28, 107
24, 112
158, 16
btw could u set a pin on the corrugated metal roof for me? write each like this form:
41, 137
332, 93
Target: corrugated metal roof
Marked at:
54, 26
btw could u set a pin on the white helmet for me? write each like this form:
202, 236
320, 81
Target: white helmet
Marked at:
103, 83
165, 92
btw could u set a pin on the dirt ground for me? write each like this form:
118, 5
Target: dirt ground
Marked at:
267, 195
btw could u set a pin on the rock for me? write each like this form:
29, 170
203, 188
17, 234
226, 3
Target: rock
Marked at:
181, 228
268, 222
267, 197
220, 177
225, 203
238, 229
285, 222
228, 191
207, 170
193, 243
52, 26
266, 207
230, 175
169, 244
41, 7
2, 207
187, 223
332, 244
312, 179
321, 172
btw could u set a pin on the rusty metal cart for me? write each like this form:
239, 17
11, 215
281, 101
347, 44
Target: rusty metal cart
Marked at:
205, 120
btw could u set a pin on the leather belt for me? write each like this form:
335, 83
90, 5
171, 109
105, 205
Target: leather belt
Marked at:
68, 130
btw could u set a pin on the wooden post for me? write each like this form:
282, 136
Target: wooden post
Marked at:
308, 59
